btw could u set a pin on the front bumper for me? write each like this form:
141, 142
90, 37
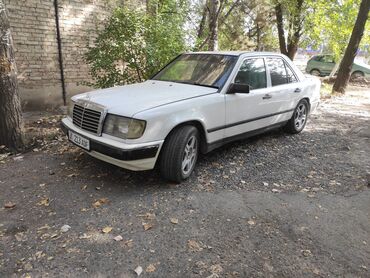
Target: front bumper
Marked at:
136, 157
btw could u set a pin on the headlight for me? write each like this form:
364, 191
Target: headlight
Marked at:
122, 127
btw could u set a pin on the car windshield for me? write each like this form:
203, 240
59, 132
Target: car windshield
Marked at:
211, 70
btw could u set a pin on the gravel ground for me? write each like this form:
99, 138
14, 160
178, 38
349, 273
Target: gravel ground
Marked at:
275, 205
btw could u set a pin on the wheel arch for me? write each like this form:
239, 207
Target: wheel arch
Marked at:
308, 101
201, 129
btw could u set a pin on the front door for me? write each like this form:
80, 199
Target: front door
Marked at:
248, 112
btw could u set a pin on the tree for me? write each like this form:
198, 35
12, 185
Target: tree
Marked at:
214, 7
352, 48
294, 11
11, 134
329, 24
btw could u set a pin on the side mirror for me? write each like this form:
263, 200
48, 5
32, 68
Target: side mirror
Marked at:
238, 88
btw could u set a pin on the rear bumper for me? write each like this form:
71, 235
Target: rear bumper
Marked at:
136, 157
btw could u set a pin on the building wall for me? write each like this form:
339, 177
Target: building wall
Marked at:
33, 29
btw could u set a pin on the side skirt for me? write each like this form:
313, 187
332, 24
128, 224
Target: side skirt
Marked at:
248, 134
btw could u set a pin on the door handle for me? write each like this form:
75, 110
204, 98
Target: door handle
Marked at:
267, 96
298, 90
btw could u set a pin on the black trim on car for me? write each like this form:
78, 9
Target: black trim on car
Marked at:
219, 143
247, 121
117, 153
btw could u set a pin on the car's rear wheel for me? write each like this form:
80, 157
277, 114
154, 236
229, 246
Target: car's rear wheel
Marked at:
299, 119
315, 72
357, 74
180, 153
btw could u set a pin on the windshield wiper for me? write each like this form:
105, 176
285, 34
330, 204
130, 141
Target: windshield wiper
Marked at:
200, 84
189, 83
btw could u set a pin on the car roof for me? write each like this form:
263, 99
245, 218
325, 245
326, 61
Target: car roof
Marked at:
235, 53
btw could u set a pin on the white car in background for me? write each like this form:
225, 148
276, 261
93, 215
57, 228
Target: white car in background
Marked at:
197, 103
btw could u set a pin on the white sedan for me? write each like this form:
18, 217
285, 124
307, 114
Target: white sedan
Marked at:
197, 103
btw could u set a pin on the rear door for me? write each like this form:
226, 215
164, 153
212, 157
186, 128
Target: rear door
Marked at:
285, 88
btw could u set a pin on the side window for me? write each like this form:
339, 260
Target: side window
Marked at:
277, 71
327, 59
290, 75
253, 73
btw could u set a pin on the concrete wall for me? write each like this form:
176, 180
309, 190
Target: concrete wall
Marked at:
34, 33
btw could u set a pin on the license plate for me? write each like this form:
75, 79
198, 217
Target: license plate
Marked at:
79, 140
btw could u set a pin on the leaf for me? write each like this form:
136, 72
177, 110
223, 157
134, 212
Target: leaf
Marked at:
194, 246
9, 205
100, 202
174, 220
147, 226
44, 202
138, 270
148, 216
150, 268
84, 236
251, 222
118, 238
65, 228
107, 230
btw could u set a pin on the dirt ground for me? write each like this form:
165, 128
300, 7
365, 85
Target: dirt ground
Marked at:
271, 206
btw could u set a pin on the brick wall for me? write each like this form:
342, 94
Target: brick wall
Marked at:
34, 33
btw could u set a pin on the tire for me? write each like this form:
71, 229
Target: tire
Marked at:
357, 74
299, 118
182, 145
315, 72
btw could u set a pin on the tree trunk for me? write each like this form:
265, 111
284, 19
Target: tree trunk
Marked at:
202, 23
343, 76
10, 108
296, 29
214, 6
280, 27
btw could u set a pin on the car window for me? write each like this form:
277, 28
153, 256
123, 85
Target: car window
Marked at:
316, 58
253, 73
198, 69
290, 75
277, 71
327, 59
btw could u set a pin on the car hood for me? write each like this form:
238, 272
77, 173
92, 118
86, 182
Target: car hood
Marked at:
130, 99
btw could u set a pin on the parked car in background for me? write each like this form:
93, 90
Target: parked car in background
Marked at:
197, 103
322, 65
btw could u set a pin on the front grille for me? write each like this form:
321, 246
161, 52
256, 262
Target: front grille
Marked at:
86, 118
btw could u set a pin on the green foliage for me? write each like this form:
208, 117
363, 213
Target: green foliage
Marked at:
330, 23
134, 44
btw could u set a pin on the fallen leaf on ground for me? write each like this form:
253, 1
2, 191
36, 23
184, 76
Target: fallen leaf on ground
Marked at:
118, 238
138, 270
107, 230
194, 246
147, 226
216, 268
150, 268
251, 222
65, 228
9, 205
306, 253
44, 202
100, 202
174, 220
148, 216
84, 236
129, 243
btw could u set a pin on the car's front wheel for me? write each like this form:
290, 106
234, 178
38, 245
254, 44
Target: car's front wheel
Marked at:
299, 119
180, 153
315, 72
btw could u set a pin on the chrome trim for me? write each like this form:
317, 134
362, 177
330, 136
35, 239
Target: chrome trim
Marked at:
86, 104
